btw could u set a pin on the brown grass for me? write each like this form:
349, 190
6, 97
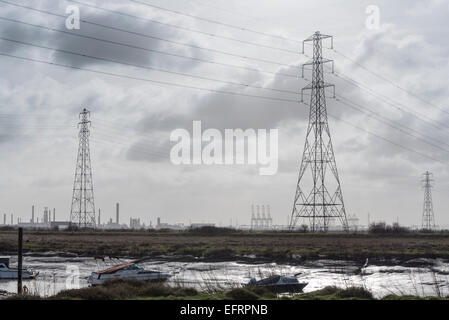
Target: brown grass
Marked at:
273, 246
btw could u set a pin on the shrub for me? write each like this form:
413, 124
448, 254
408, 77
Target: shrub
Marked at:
335, 293
156, 291
263, 292
125, 289
382, 227
211, 231
92, 293
355, 292
186, 292
224, 253
241, 294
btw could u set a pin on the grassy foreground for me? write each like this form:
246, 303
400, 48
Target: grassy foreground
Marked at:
120, 289
226, 246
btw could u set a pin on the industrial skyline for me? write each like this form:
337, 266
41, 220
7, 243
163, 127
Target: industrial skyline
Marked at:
143, 79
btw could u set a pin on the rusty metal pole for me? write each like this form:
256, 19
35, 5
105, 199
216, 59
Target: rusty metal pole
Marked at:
19, 263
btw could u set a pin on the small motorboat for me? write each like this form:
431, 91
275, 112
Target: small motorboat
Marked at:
279, 284
129, 270
9, 273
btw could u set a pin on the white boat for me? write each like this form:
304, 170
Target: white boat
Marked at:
9, 273
127, 271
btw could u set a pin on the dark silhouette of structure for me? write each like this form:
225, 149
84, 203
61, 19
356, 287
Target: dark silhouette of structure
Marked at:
428, 219
318, 197
82, 213
260, 222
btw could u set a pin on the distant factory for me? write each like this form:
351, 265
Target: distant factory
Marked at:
47, 221
261, 221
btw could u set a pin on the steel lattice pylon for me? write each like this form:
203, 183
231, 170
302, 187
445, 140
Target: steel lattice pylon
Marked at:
428, 220
318, 199
82, 212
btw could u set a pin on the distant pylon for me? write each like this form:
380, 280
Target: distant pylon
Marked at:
428, 219
82, 212
318, 197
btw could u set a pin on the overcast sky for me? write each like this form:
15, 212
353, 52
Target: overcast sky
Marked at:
132, 119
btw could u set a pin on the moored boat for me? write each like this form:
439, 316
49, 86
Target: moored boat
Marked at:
129, 270
13, 273
279, 284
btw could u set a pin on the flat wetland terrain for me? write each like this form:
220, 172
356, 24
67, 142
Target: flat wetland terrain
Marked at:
270, 246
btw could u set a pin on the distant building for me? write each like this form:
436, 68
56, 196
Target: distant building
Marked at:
112, 226
32, 225
46, 222
134, 223
176, 226
201, 225
261, 222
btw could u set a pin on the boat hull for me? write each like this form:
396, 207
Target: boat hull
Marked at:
96, 279
13, 274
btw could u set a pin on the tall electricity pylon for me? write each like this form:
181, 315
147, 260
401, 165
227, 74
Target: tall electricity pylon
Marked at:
318, 199
428, 220
82, 212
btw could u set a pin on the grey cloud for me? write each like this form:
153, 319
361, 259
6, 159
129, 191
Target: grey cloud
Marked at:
218, 110
102, 49
124, 53
152, 151
16, 32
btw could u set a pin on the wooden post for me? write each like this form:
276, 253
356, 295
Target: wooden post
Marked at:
19, 263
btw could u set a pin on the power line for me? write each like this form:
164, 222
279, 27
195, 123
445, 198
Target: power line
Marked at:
107, 132
210, 90
391, 102
149, 36
184, 28
215, 7
149, 67
380, 137
143, 151
153, 151
379, 97
157, 82
147, 49
389, 81
284, 38
394, 126
165, 70
385, 99
214, 21
384, 139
